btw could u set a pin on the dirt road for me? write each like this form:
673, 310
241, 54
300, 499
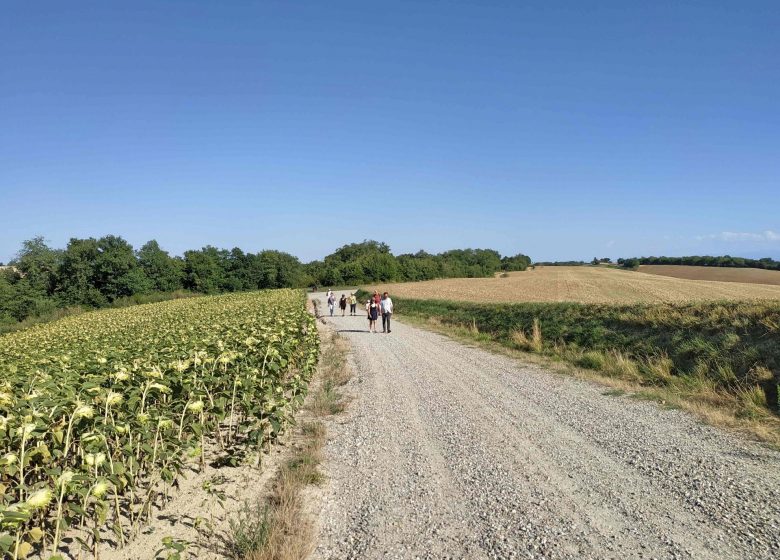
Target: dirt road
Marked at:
453, 452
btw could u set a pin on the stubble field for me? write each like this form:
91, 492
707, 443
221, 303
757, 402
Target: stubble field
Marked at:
719, 274
582, 284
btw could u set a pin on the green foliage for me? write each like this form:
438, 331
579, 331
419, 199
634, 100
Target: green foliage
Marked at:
116, 269
516, 263
77, 274
561, 263
202, 270
279, 270
470, 263
249, 531
371, 261
163, 271
591, 360
38, 264
114, 406
94, 273
629, 263
356, 263
420, 266
724, 261
7, 299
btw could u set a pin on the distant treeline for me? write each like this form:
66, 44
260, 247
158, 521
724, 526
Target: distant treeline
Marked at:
560, 263
724, 261
370, 261
95, 273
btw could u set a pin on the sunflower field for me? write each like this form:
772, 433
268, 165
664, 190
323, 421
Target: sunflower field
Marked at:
100, 413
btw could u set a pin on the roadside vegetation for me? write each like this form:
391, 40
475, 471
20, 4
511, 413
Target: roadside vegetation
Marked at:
720, 359
280, 528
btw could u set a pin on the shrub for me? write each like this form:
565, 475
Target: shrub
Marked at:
592, 359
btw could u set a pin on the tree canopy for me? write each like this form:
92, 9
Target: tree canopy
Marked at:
722, 261
95, 272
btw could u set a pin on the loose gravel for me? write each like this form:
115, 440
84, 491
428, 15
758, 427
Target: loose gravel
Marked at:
449, 451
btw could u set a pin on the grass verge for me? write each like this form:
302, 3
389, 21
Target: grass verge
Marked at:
279, 528
719, 361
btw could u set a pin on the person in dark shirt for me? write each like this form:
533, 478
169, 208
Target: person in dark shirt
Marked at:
343, 304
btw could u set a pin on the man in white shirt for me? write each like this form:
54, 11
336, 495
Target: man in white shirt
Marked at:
387, 312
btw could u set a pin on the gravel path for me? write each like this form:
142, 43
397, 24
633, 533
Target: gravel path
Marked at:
453, 452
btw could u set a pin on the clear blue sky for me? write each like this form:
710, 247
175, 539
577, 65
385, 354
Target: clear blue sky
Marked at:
559, 129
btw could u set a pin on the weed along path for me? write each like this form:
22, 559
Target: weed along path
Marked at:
449, 451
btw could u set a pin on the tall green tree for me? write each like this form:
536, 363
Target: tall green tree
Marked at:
116, 269
77, 277
7, 298
237, 271
39, 264
163, 271
280, 270
515, 263
203, 271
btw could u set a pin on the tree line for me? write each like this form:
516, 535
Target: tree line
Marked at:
95, 273
723, 261
560, 263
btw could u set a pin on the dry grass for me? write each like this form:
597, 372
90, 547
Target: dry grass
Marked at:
583, 284
718, 274
327, 398
280, 529
532, 342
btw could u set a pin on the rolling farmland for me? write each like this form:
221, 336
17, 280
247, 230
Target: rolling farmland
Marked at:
582, 284
713, 343
718, 274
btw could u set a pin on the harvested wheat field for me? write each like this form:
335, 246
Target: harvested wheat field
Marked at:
583, 284
719, 274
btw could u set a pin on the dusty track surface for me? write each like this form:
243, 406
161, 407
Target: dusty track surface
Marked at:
452, 452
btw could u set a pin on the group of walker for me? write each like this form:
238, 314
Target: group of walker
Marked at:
376, 305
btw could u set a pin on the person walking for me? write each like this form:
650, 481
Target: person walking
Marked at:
373, 313
343, 304
387, 312
331, 303
352, 304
